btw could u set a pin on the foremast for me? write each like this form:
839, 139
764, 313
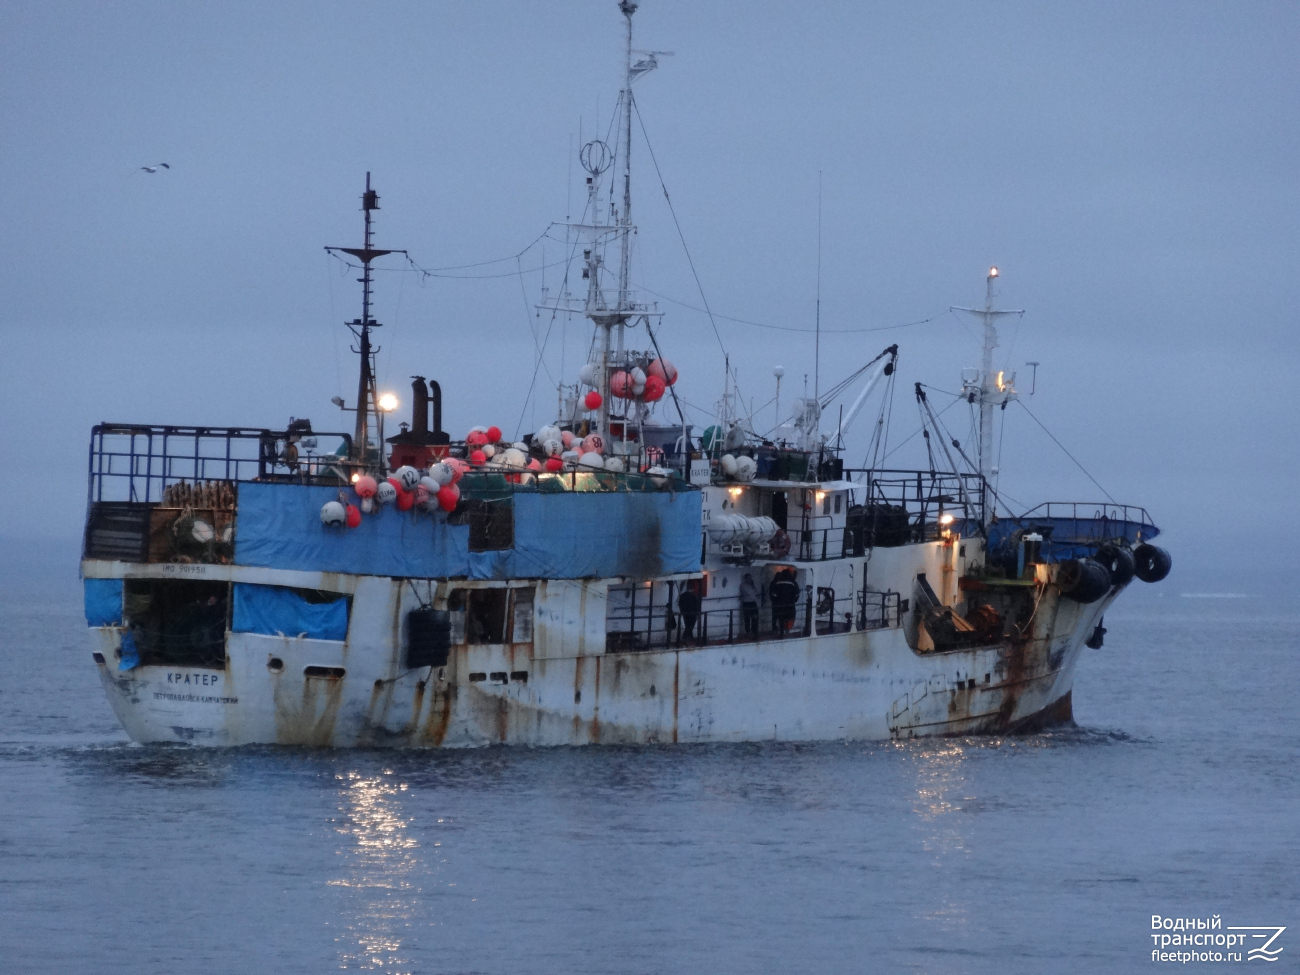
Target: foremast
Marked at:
991, 390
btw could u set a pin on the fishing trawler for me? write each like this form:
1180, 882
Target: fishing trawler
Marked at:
611, 577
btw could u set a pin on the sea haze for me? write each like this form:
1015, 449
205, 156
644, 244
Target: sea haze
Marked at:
1174, 796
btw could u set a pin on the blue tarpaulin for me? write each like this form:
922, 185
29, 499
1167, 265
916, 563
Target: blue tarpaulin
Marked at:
563, 535
130, 655
103, 602
275, 610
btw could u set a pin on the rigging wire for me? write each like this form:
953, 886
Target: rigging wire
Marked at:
676, 223
523, 293
906, 439
338, 368
1067, 453
787, 328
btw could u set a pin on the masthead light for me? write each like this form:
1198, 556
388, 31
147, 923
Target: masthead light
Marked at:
993, 272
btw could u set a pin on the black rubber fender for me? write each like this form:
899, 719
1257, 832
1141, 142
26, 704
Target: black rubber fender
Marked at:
1152, 562
1083, 580
1119, 562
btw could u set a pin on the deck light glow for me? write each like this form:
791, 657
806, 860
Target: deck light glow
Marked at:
946, 519
388, 402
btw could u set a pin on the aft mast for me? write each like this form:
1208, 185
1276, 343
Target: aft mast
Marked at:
367, 393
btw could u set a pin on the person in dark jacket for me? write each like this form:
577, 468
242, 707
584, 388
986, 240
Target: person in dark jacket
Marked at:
688, 605
784, 593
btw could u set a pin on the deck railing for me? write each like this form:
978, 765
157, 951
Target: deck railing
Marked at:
136, 463
722, 621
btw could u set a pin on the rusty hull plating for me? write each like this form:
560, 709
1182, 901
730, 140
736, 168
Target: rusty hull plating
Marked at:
558, 682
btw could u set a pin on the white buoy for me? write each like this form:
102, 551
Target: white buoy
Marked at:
615, 464
409, 477
591, 459
333, 513
728, 463
746, 468
441, 474
385, 493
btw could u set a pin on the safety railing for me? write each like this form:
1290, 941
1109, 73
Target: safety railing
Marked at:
137, 463
1090, 513
722, 621
661, 627
888, 508
878, 610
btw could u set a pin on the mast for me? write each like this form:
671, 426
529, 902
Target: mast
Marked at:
596, 158
367, 393
628, 7
992, 389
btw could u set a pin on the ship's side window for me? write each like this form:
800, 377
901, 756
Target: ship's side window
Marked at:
838, 501
485, 615
521, 629
178, 622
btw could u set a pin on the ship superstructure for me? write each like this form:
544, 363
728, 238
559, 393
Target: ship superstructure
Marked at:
610, 577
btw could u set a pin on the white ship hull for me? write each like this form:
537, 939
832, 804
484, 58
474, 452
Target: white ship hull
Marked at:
563, 687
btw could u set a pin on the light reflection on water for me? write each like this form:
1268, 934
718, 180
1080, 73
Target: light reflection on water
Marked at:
942, 789
381, 856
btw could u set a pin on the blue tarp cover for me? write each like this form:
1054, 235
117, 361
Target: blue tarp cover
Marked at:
570, 535
130, 657
276, 610
103, 602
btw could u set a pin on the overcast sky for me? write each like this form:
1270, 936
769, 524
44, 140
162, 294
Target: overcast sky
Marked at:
1131, 168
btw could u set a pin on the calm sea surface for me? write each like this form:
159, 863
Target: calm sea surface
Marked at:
1178, 794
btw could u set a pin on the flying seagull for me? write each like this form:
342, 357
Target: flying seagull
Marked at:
154, 169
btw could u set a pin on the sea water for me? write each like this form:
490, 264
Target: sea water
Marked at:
1177, 795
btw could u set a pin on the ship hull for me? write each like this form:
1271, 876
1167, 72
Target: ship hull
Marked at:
567, 690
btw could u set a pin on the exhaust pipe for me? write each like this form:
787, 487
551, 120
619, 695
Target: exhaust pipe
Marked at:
438, 436
419, 408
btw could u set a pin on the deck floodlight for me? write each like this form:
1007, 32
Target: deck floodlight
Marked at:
388, 402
